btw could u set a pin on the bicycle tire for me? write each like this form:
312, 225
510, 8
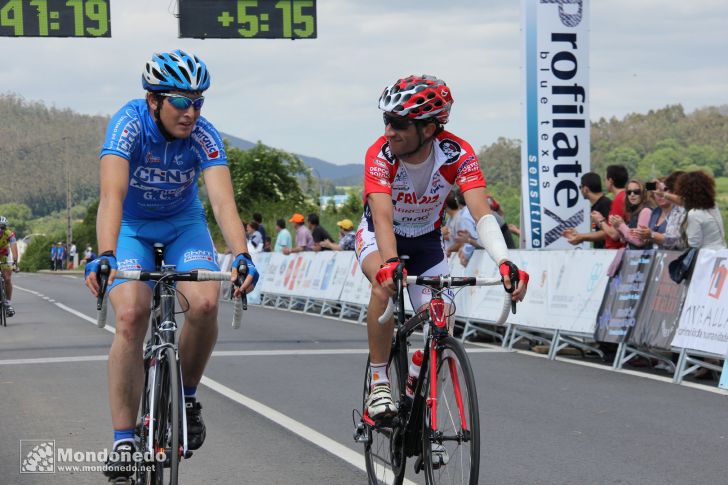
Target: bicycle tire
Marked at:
462, 446
384, 453
167, 417
3, 315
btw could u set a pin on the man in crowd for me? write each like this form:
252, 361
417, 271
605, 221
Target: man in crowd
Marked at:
318, 233
347, 237
283, 239
304, 240
591, 190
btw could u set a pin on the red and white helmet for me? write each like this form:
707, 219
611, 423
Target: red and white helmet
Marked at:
419, 98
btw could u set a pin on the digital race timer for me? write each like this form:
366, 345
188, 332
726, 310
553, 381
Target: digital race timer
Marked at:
253, 19
55, 18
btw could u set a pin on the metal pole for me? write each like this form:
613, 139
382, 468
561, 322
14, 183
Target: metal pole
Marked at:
69, 228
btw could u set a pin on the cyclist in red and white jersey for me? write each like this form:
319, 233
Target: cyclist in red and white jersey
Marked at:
408, 173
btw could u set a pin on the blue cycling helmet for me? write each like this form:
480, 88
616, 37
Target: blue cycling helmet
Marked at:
175, 70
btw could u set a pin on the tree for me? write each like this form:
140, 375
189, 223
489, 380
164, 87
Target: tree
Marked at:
501, 162
18, 216
263, 175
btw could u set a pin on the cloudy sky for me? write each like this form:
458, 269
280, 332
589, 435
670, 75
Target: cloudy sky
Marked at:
319, 97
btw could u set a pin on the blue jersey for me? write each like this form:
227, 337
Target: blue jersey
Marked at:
162, 174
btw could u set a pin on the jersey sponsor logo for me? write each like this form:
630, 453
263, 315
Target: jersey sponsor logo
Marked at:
152, 159
379, 172
386, 153
129, 264
212, 150
126, 134
384, 182
154, 175
178, 160
380, 163
411, 198
197, 255
451, 149
464, 179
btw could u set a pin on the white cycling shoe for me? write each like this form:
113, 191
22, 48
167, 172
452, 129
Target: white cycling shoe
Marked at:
379, 404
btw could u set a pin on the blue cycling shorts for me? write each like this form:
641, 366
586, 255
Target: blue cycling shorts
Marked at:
186, 238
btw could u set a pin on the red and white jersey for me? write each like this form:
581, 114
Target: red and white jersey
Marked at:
455, 162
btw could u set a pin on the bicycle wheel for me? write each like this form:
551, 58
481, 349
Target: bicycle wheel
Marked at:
166, 418
451, 451
384, 453
3, 315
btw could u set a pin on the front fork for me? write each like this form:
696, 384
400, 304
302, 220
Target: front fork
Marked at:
440, 330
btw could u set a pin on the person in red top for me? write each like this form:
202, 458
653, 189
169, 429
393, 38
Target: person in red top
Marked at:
408, 173
616, 181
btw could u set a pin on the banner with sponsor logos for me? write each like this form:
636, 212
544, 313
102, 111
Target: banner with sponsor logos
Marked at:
564, 293
658, 315
555, 152
704, 319
618, 313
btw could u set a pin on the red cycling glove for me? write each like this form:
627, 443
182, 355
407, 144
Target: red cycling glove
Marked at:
511, 270
387, 270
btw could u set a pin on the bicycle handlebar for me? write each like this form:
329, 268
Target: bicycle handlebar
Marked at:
240, 304
439, 282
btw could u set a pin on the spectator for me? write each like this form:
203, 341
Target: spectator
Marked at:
317, 232
452, 209
703, 226
616, 181
60, 256
72, 255
283, 239
89, 255
591, 190
500, 216
261, 228
638, 210
347, 237
255, 239
666, 219
304, 239
54, 250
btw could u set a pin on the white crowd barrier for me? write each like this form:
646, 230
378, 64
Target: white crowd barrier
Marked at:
565, 295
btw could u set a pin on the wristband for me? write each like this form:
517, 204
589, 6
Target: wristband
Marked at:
393, 260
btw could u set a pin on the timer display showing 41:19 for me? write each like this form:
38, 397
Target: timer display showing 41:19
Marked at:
252, 19
55, 18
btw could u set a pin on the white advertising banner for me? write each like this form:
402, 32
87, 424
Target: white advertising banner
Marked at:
555, 151
357, 287
564, 292
704, 318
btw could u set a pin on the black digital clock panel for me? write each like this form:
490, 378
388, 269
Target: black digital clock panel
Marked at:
252, 19
55, 18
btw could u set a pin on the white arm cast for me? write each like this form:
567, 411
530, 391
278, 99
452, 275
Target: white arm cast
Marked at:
491, 237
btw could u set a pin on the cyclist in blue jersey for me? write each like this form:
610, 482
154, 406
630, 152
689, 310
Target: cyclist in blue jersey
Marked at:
154, 152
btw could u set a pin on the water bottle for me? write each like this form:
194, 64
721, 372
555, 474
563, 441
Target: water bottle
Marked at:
414, 373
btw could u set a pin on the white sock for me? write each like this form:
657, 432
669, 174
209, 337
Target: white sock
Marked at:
378, 373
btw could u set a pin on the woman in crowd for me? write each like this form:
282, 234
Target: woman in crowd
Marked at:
638, 209
663, 229
703, 226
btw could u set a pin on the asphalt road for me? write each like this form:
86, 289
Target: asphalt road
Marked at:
279, 394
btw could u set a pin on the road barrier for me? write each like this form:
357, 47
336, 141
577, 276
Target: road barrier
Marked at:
571, 301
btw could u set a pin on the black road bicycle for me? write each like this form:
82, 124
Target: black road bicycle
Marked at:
162, 426
440, 426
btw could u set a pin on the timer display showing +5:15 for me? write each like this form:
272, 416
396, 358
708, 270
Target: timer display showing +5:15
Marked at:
55, 18
252, 19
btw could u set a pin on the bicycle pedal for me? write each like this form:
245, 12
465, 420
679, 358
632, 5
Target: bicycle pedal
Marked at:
122, 481
188, 455
360, 433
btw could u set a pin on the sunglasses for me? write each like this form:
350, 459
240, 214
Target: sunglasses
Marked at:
397, 122
634, 192
183, 102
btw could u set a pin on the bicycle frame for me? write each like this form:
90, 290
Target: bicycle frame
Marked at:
163, 330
